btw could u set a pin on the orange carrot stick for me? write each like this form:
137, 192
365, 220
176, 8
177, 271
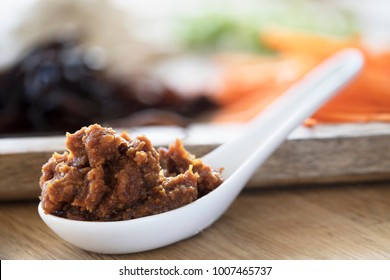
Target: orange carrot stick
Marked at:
252, 84
319, 45
242, 78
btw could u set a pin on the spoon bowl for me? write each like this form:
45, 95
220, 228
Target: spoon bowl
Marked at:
239, 159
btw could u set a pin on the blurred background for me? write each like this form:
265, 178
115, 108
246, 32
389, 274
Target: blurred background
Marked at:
69, 63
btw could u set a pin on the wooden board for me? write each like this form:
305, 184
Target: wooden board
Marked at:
320, 155
338, 222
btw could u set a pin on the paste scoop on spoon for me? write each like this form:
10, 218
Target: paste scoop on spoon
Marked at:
162, 208
104, 176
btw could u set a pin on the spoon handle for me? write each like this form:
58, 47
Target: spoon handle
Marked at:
268, 130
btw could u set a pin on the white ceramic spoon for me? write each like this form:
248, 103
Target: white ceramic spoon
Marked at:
239, 158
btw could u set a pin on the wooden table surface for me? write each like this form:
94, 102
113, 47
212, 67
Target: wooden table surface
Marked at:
315, 222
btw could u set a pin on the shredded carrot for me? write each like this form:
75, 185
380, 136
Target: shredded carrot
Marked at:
293, 41
251, 84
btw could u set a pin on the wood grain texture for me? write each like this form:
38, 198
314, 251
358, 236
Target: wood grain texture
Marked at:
337, 222
323, 155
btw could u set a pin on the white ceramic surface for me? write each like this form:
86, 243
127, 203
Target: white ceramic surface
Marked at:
239, 158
